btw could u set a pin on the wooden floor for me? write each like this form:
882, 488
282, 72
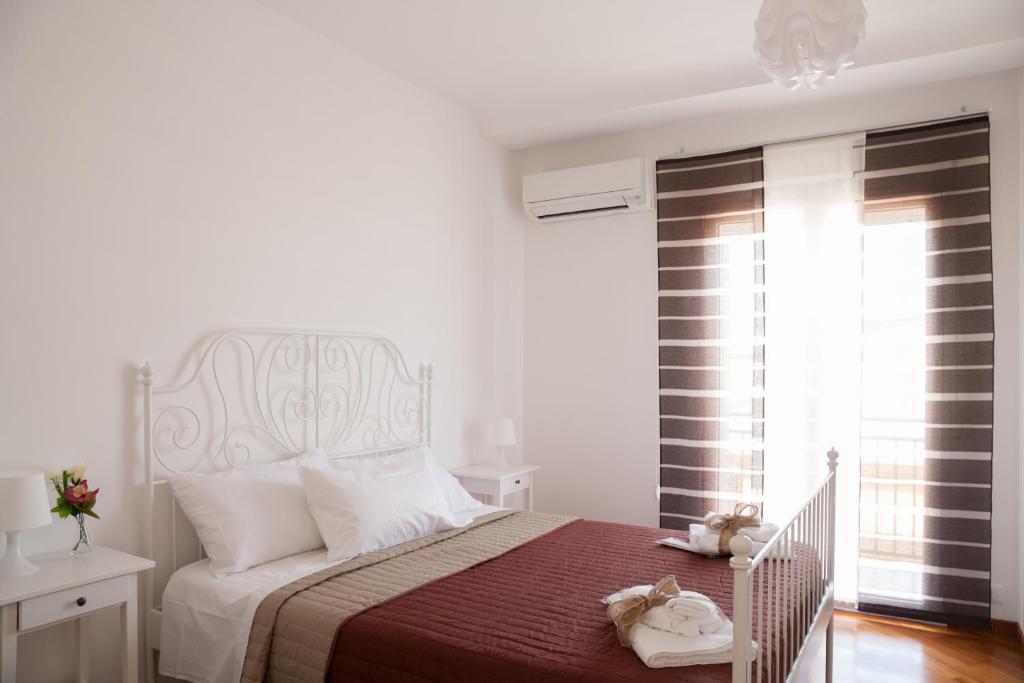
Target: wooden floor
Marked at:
872, 649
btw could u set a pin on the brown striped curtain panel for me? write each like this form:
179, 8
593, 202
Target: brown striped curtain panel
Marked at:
926, 484
710, 323
916, 415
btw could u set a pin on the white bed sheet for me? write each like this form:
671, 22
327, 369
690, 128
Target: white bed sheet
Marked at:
204, 628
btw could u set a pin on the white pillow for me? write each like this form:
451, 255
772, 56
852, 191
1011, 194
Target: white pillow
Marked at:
459, 501
249, 515
368, 504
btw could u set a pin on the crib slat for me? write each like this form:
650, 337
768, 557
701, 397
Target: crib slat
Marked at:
790, 602
792, 599
805, 584
770, 624
817, 547
794, 595
823, 531
801, 594
798, 596
777, 568
808, 592
760, 619
832, 527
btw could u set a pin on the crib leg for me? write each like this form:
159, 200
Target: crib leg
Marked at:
828, 650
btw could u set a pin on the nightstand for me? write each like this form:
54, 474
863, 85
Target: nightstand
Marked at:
497, 481
67, 588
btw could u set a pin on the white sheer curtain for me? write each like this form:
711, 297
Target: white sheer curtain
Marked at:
813, 330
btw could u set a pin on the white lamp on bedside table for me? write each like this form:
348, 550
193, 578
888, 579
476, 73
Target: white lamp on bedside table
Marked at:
502, 434
24, 504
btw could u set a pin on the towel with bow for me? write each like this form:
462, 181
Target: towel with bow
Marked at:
669, 627
726, 525
687, 613
627, 607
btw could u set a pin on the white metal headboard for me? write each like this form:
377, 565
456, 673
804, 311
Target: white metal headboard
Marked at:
264, 395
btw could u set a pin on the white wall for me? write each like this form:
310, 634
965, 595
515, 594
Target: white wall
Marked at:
590, 383
174, 168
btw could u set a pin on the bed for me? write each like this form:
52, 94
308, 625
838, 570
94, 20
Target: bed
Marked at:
512, 596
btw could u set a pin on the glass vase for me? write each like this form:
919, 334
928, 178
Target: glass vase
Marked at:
84, 544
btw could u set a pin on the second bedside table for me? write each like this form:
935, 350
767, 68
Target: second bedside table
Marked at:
497, 481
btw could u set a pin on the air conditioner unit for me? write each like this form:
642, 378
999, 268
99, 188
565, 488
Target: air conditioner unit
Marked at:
615, 187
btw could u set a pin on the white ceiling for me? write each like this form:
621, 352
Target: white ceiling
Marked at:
532, 71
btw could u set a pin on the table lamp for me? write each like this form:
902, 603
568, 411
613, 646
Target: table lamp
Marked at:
502, 433
24, 504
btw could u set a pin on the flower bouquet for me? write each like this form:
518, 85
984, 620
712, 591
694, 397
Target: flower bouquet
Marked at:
74, 499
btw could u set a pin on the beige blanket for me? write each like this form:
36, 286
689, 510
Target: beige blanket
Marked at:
294, 627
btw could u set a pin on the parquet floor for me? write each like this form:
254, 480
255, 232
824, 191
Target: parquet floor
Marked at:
872, 649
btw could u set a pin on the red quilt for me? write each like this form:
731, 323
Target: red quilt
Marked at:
533, 614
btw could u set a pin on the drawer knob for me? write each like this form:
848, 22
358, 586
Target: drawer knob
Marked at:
517, 481
80, 602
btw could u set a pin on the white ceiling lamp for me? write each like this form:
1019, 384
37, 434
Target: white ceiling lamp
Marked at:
806, 41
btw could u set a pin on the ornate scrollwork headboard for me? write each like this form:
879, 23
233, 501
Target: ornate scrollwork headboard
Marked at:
258, 395
263, 395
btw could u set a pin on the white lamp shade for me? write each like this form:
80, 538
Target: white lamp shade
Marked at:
502, 432
24, 502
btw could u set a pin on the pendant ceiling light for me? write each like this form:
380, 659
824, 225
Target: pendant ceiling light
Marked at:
806, 41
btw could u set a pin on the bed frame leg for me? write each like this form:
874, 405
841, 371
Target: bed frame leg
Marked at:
828, 650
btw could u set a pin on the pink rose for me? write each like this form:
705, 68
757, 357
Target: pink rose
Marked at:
80, 493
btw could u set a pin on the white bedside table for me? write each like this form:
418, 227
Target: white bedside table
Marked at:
68, 588
497, 481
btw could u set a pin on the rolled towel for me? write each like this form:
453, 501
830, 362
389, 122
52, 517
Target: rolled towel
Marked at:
762, 533
690, 605
690, 615
706, 541
699, 608
703, 540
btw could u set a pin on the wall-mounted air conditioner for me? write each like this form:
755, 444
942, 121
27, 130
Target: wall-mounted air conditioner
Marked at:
586, 191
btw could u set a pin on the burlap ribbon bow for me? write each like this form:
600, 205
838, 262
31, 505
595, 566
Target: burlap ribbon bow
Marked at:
728, 524
626, 611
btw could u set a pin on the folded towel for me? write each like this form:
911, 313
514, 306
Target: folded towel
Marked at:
689, 615
658, 649
661, 619
664, 637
